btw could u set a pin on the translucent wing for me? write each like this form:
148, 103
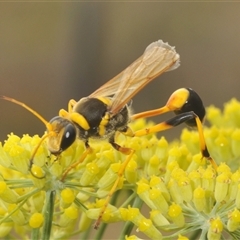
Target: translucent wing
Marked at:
158, 58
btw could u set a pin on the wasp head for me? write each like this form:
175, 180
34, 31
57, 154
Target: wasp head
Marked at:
61, 136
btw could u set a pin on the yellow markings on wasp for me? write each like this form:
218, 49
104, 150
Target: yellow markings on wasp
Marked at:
105, 100
103, 123
178, 99
80, 120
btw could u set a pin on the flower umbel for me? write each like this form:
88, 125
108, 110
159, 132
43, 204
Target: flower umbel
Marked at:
185, 197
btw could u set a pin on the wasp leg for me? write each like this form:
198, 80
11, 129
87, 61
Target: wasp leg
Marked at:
82, 158
64, 113
151, 113
121, 149
129, 152
175, 121
71, 104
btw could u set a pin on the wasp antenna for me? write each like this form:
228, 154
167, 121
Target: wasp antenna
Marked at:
46, 123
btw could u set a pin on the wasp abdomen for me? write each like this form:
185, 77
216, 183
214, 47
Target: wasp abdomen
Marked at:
187, 100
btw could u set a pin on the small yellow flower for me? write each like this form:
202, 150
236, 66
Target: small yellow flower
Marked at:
199, 199
176, 215
233, 220
183, 193
215, 230
36, 220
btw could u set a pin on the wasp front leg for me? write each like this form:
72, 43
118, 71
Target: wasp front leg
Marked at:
63, 113
71, 104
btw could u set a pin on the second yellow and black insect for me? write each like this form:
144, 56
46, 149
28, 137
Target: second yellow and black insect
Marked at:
106, 112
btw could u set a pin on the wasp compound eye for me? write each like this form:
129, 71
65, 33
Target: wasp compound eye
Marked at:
64, 134
68, 137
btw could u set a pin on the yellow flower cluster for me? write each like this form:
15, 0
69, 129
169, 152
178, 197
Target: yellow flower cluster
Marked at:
168, 190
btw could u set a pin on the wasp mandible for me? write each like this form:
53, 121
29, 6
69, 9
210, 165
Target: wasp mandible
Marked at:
106, 112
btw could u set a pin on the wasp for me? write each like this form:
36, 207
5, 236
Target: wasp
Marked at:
107, 111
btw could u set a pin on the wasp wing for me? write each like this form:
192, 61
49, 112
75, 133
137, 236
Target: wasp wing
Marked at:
158, 58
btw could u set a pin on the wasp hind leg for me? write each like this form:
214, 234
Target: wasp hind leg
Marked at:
189, 109
175, 121
127, 151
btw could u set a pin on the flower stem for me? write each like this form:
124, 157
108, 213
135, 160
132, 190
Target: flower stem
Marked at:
48, 214
101, 231
35, 234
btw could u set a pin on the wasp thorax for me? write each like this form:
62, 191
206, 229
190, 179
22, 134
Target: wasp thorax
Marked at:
63, 135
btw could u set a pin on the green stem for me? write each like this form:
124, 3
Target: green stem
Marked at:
4, 219
48, 214
35, 234
28, 195
129, 200
127, 229
85, 234
100, 231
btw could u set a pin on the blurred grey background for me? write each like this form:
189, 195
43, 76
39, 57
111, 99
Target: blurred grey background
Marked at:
52, 52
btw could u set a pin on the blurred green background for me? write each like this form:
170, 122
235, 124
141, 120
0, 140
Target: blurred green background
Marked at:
52, 52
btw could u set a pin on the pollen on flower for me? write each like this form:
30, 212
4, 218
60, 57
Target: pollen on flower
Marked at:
175, 213
6, 194
221, 188
71, 212
124, 213
133, 213
174, 210
224, 168
195, 178
93, 168
37, 171
36, 220
131, 171
154, 162
199, 199
144, 224
216, 227
158, 183
67, 195
233, 220
142, 187
132, 237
